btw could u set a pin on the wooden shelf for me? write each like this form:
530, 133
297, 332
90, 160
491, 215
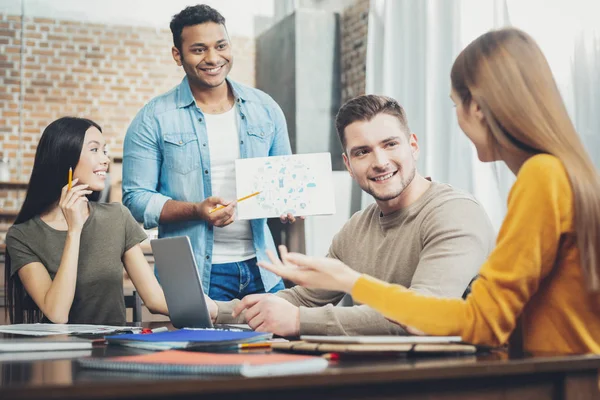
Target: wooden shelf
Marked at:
13, 185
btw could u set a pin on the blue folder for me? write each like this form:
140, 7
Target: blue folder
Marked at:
191, 336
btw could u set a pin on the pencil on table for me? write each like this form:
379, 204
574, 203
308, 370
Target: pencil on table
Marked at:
70, 178
238, 200
331, 356
261, 345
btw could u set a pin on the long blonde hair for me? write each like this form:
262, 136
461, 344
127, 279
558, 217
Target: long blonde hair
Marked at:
507, 75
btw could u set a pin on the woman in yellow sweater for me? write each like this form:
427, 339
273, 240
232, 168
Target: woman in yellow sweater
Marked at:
546, 264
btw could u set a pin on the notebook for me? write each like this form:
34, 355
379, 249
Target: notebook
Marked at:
374, 349
64, 329
50, 343
185, 362
381, 339
188, 339
43, 355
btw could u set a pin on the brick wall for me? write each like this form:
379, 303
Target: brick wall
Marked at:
354, 23
107, 73
103, 72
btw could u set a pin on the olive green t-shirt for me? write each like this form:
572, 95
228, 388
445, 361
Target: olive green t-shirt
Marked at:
108, 233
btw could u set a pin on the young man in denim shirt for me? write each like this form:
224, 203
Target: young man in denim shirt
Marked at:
179, 155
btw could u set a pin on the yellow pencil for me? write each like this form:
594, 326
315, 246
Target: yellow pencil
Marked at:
70, 178
260, 345
240, 199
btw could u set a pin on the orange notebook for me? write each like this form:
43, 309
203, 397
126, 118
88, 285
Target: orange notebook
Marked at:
189, 362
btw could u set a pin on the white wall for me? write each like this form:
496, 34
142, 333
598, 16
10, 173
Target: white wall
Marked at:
320, 230
240, 14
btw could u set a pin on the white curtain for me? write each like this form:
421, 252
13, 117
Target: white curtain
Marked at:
568, 31
412, 45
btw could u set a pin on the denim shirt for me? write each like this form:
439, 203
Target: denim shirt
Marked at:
166, 156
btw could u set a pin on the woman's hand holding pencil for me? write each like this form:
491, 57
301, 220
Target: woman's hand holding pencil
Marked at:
73, 204
70, 182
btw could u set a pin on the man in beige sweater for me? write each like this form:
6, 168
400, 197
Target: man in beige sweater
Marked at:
421, 234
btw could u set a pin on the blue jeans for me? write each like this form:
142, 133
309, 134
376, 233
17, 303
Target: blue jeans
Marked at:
235, 280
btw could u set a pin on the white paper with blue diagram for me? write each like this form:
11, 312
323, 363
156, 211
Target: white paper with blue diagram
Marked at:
300, 184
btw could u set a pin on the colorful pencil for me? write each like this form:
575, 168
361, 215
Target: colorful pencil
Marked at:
260, 345
70, 178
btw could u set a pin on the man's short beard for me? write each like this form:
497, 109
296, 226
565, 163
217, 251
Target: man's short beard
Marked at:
405, 183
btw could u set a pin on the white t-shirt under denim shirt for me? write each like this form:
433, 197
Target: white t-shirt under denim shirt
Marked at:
232, 243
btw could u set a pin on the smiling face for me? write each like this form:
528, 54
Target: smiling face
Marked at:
93, 161
205, 54
381, 156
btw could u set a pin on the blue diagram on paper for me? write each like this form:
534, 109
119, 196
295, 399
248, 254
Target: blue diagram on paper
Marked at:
285, 186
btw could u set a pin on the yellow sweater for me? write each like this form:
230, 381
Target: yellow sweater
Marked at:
533, 272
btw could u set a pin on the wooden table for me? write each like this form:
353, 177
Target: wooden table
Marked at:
493, 377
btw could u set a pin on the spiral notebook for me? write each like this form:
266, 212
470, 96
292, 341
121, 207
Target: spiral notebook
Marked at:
189, 362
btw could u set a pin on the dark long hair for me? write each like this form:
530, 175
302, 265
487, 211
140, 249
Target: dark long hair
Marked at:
58, 150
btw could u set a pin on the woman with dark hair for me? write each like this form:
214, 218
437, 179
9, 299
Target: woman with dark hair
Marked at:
545, 269
66, 253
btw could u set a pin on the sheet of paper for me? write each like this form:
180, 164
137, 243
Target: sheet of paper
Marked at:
62, 329
300, 184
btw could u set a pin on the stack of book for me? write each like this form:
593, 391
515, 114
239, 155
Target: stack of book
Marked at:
192, 339
377, 345
46, 348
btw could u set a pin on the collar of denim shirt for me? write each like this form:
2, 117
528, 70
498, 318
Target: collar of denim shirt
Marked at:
186, 98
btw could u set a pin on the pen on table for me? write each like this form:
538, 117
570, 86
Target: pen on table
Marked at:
240, 199
70, 178
331, 356
155, 330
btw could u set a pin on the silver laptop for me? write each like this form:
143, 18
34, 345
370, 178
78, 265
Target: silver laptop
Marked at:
180, 280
